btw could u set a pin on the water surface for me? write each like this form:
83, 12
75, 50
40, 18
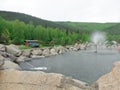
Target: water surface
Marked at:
83, 65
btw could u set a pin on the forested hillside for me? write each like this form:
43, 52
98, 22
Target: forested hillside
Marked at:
87, 26
17, 27
17, 31
113, 32
36, 21
71, 26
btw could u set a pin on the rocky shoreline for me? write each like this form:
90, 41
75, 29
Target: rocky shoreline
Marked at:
16, 55
13, 78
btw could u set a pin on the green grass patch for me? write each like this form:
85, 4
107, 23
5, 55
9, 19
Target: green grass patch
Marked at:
24, 47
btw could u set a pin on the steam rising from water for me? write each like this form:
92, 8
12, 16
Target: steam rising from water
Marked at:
98, 37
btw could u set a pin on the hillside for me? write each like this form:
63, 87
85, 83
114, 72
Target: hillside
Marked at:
88, 26
71, 26
27, 18
113, 29
13, 30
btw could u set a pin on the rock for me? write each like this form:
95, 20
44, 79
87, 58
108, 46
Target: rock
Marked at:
30, 80
76, 47
2, 47
7, 55
37, 52
83, 46
110, 81
61, 49
67, 47
53, 51
22, 59
13, 49
27, 53
10, 65
11, 56
36, 57
4, 54
46, 52
1, 61
71, 48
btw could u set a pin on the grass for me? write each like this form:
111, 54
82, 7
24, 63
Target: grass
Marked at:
22, 47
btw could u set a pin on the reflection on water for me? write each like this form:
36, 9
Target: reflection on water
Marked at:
83, 65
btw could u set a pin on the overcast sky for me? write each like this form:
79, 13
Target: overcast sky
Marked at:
67, 10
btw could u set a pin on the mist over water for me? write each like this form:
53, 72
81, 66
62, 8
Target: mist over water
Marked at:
98, 37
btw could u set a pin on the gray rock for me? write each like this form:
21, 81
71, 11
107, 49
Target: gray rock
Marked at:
13, 49
76, 47
22, 59
83, 46
46, 52
7, 55
1, 61
10, 65
4, 54
36, 56
110, 81
61, 49
53, 51
37, 52
27, 53
11, 56
2, 47
30, 80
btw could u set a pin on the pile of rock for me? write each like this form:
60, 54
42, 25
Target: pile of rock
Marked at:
45, 52
7, 57
14, 54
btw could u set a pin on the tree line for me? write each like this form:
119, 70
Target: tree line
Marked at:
17, 32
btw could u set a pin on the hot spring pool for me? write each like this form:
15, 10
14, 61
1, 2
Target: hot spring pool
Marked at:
84, 65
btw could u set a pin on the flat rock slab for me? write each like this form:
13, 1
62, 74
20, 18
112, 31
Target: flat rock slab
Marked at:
30, 80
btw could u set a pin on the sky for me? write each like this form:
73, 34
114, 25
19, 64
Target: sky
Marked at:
67, 10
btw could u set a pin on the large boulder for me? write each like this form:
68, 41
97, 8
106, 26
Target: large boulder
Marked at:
1, 61
8, 55
68, 47
46, 52
10, 65
2, 47
110, 81
83, 46
53, 51
26, 52
22, 59
29, 80
61, 49
76, 47
37, 52
13, 49
36, 56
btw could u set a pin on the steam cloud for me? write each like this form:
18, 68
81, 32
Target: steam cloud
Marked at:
98, 37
